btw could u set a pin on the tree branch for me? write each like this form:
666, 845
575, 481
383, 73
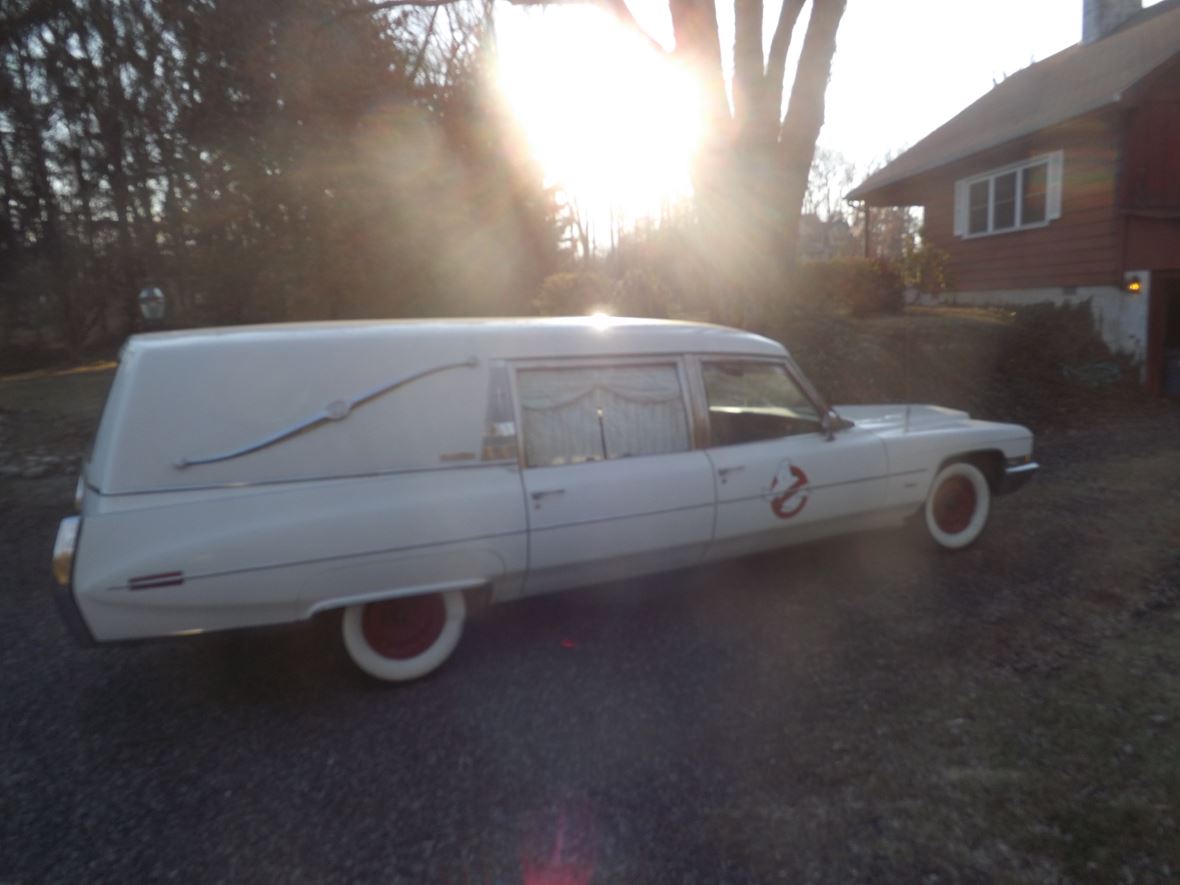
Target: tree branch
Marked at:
618, 8
748, 79
776, 62
805, 113
694, 24
623, 13
38, 12
367, 8
416, 68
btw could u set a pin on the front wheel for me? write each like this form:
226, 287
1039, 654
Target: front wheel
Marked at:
402, 639
958, 505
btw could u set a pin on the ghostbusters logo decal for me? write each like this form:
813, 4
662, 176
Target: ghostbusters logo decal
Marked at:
788, 491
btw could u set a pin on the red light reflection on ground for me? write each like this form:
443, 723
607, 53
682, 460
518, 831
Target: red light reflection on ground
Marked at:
559, 846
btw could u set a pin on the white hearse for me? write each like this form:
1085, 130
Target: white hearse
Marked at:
401, 470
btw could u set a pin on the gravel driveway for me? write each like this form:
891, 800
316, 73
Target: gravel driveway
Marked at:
858, 710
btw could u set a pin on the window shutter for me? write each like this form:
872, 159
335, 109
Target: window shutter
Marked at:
1056, 177
961, 207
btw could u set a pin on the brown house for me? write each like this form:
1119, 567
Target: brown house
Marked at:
1062, 184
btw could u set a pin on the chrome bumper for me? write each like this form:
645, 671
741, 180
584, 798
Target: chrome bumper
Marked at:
72, 615
63, 573
1016, 477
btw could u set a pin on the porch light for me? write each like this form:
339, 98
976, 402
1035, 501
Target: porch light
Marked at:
1133, 284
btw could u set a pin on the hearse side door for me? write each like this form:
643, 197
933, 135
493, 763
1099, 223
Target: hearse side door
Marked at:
613, 485
780, 478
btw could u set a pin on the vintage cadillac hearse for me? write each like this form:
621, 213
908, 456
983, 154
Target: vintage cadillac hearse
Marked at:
401, 470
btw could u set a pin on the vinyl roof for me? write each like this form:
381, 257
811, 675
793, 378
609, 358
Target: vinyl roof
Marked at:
525, 337
1075, 81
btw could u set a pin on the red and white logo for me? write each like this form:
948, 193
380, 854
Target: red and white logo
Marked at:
789, 491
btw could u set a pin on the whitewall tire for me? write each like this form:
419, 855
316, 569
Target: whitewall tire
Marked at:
958, 505
406, 638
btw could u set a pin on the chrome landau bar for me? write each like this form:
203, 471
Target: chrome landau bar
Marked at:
336, 410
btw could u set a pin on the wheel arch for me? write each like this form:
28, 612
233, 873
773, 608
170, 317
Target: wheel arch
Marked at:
414, 575
989, 461
472, 590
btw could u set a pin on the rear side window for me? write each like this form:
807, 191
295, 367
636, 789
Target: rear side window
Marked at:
597, 413
243, 413
751, 401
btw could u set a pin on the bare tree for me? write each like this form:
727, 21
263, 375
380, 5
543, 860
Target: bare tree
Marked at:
753, 169
832, 176
262, 161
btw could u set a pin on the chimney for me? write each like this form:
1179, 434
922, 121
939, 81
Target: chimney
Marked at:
1101, 17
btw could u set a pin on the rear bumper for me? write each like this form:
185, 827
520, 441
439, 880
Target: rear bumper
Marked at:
1017, 477
72, 615
65, 546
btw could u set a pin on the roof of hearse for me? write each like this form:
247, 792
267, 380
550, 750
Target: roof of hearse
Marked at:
536, 337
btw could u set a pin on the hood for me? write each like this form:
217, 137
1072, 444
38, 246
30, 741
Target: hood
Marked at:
885, 418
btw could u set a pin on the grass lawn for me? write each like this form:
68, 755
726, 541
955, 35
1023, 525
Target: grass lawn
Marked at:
1035, 776
54, 410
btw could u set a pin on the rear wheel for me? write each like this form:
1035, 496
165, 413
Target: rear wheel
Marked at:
958, 505
401, 639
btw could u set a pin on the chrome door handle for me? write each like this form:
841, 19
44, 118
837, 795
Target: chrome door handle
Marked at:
544, 493
724, 472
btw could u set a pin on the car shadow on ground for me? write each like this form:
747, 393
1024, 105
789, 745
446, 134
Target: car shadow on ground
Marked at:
801, 595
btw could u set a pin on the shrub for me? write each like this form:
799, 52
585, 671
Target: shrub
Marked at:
924, 268
573, 294
642, 293
863, 286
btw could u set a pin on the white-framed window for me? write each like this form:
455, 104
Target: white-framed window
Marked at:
1016, 197
575, 414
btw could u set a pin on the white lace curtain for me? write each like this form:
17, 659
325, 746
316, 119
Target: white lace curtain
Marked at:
590, 414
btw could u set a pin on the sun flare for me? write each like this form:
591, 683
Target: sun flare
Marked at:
612, 122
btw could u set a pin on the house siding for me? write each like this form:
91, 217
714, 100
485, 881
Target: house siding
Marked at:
1120, 199
1152, 169
1153, 244
1081, 248
1151, 184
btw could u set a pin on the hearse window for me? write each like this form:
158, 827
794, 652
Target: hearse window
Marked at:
587, 413
751, 401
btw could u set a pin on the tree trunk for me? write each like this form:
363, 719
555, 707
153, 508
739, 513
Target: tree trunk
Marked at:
112, 129
50, 239
748, 73
752, 174
805, 113
698, 48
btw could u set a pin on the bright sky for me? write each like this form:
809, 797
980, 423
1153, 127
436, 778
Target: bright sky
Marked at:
904, 67
606, 118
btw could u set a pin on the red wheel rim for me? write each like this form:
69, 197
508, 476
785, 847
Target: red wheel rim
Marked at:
404, 628
954, 504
